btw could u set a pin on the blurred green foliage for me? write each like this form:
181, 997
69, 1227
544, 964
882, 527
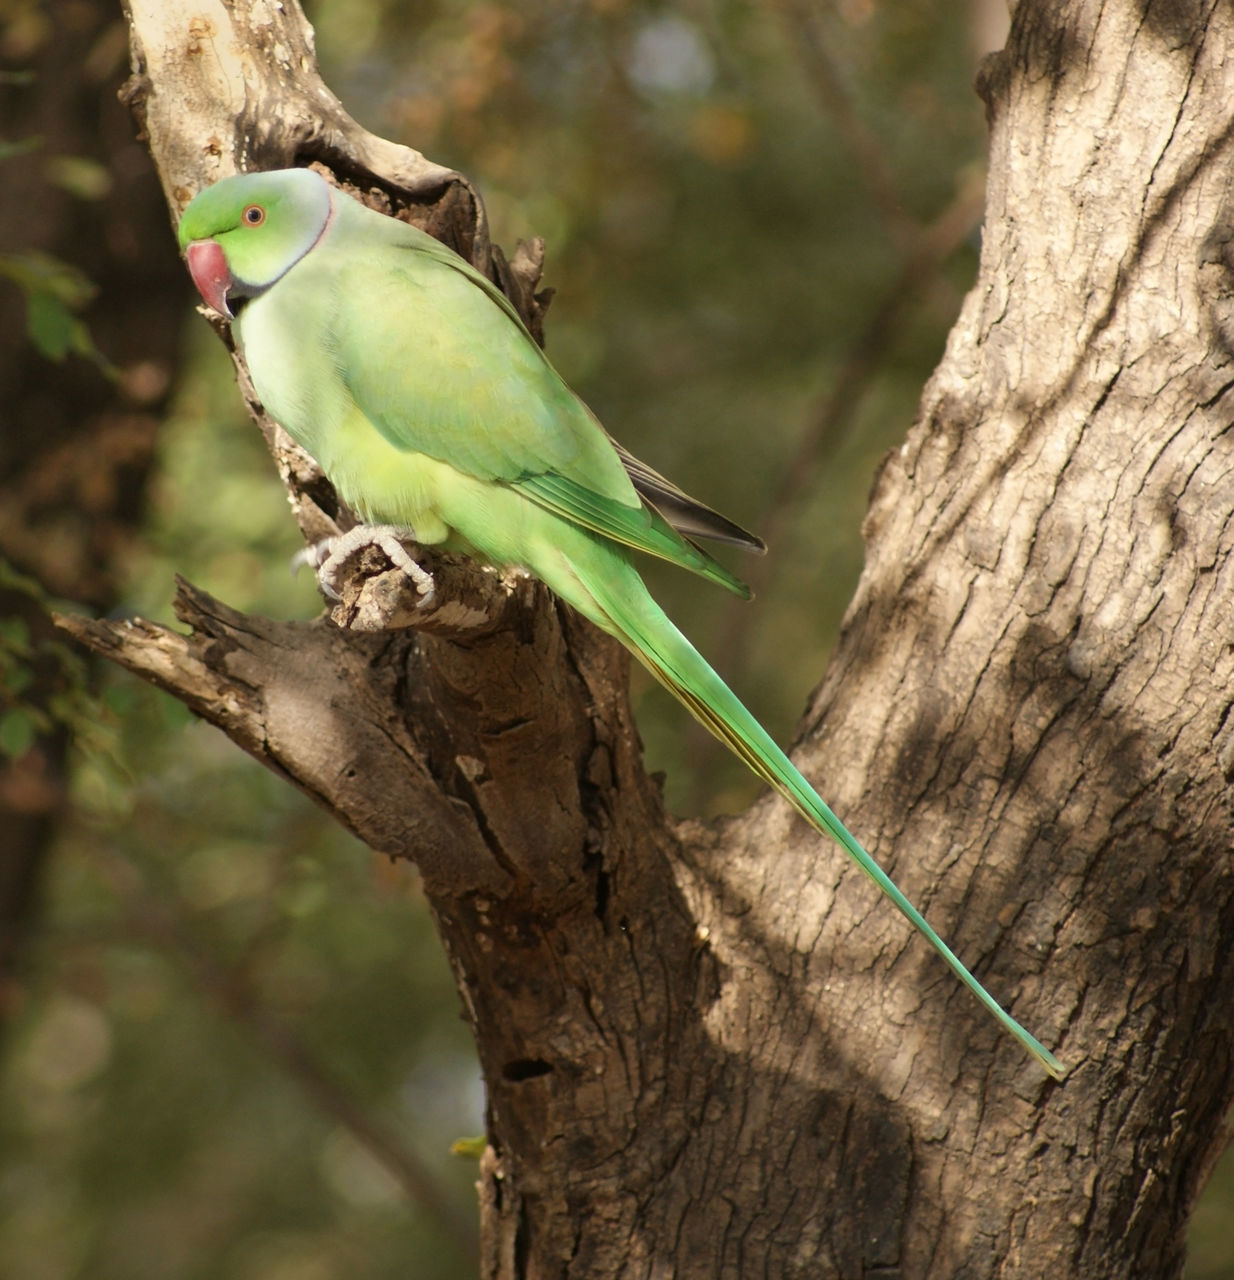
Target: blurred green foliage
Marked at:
225, 976
64, 700
151, 1124
55, 293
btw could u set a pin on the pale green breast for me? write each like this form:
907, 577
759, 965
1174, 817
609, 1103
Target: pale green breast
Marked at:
282, 335
285, 335
427, 404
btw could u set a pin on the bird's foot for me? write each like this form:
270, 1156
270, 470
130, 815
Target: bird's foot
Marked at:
329, 556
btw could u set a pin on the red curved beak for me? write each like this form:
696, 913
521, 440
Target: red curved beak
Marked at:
208, 267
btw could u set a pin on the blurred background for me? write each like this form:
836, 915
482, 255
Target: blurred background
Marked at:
229, 1043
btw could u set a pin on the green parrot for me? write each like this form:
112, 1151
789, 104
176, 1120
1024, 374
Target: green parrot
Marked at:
412, 381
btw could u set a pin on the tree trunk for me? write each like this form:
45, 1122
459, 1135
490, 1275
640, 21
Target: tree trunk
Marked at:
711, 1051
75, 445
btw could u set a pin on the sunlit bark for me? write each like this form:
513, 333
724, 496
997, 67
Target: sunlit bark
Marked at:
710, 1051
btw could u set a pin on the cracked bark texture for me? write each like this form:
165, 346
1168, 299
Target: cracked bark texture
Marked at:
711, 1051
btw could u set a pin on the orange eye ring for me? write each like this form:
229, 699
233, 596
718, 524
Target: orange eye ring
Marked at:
253, 216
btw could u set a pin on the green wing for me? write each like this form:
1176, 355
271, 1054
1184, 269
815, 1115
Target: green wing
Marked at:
687, 515
458, 378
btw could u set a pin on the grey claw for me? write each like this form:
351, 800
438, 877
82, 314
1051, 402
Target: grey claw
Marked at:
329, 556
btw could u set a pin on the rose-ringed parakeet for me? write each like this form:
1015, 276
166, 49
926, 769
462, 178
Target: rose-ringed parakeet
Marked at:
412, 381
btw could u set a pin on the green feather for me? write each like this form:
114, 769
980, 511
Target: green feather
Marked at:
644, 628
414, 384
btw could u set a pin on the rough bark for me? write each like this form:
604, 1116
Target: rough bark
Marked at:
710, 1051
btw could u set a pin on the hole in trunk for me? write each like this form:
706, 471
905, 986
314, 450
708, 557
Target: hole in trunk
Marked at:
525, 1069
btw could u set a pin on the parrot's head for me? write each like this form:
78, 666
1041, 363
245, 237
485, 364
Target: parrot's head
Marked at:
244, 233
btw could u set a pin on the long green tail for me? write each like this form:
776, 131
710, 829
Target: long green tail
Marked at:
647, 631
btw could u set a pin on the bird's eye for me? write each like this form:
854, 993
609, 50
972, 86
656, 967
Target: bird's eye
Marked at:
254, 215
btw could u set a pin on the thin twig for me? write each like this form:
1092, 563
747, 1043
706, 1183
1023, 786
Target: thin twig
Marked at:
808, 38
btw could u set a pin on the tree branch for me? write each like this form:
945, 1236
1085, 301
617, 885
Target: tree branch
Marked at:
707, 1053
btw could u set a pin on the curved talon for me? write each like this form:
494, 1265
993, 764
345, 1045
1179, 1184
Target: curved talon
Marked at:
312, 556
328, 557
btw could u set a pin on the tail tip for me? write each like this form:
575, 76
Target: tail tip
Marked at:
1053, 1066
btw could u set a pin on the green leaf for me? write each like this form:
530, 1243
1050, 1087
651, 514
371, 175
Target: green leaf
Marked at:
15, 636
15, 681
79, 176
17, 732
50, 325
21, 147
54, 291
14, 580
36, 272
